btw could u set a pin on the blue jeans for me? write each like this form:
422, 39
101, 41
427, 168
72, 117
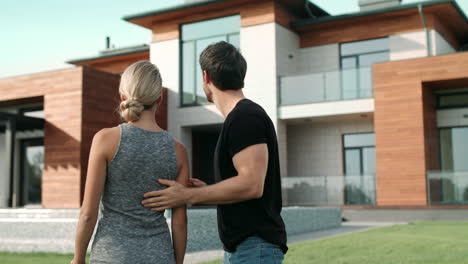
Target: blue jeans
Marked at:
255, 250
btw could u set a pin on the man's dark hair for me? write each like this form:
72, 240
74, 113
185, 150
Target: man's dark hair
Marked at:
225, 66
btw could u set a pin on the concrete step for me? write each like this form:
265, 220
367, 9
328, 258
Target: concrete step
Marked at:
24, 213
405, 215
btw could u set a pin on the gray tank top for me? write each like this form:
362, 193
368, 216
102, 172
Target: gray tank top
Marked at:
127, 231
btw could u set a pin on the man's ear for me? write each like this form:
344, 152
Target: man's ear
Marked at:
206, 77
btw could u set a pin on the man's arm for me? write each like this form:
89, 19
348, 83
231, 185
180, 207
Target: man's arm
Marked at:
251, 165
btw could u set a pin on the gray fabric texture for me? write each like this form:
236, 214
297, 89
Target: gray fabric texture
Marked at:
128, 232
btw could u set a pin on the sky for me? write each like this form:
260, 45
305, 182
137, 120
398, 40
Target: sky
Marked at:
41, 35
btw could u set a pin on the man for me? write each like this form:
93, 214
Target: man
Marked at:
247, 172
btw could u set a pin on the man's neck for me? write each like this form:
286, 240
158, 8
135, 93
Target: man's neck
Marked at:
225, 101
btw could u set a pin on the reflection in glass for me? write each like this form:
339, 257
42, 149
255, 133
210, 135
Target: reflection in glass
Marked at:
359, 154
188, 67
366, 46
359, 140
454, 149
453, 100
201, 45
33, 166
195, 38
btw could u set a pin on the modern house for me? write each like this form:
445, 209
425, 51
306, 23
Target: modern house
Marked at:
47, 121
371, 108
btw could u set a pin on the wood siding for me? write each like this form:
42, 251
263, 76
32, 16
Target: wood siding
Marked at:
405, 123
116, 64
454, 30
62, 95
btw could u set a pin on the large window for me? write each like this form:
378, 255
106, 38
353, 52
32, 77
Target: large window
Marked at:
195, 38
356, 64
452, 100
359, 160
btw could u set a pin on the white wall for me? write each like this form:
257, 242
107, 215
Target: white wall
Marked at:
258, 46
319, 59
288, 56
344, 107
165, 55
4, 179
408, 45
414, 45
315, 148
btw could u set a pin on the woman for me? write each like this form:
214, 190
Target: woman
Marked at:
125, 162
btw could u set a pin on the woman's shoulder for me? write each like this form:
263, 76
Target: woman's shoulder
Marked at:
107, 134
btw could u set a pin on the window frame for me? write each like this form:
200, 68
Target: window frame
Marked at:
181, 60
450, 106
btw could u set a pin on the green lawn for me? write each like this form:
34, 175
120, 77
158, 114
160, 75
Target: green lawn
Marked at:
34, 258
416, 243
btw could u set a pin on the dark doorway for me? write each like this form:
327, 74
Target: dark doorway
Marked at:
204, 140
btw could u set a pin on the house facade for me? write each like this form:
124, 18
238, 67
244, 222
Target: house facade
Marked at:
370, 108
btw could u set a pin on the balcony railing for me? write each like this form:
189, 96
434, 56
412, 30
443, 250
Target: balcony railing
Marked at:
447, 187
329, 190
339, 85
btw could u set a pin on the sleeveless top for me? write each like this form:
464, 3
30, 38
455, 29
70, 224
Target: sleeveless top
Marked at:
127, 231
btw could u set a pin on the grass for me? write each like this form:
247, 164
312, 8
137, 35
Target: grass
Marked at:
415, 243
34, 258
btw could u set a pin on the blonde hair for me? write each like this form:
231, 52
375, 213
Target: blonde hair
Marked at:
141, 85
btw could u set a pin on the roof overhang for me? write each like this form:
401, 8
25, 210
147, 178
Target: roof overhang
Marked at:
147, 19
447, 11
113, 55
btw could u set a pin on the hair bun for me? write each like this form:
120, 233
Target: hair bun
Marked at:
131, 109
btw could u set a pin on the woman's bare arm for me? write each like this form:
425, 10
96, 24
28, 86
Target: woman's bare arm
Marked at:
104, 143
179, 214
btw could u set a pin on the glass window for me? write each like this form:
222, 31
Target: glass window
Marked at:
356, 64
359, 140
453, 100
454, 149
32, 166
195, 38
369, 59
359, 155
353, 162
349, 63
209, 28
366, 46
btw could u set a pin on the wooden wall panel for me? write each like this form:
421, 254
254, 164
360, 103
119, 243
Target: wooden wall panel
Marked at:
61, 92
454, 30
116, 64
406, 142
100, 103
252, 13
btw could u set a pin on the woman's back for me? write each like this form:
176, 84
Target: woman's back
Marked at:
127, 231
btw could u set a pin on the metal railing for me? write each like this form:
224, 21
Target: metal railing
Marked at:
346, 84
329, 190
447, 187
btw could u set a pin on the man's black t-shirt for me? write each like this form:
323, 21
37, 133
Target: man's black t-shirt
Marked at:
246, 125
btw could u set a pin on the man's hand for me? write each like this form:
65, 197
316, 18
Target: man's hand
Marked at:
174, 195
193, 182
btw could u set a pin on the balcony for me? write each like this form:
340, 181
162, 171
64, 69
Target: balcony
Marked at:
446, 187
329, 190
346, 84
